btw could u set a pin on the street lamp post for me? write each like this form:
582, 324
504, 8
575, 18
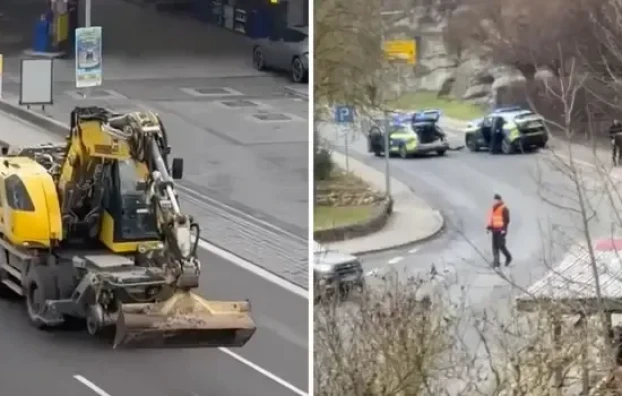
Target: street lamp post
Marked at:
88, 4
87, 13
387, 163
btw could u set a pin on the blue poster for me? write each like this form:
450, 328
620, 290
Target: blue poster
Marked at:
88, 57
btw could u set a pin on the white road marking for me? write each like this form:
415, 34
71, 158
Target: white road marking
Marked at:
247, 265
412, 251
589, 165
576, 161
395, 260
264, 372
12, 78
91, 385
270, 277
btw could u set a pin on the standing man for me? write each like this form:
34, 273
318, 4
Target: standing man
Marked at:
496, 135
615, 134
498, 221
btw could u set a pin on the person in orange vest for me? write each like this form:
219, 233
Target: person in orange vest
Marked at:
498, 221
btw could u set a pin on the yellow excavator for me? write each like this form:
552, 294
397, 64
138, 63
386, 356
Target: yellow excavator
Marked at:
92, 230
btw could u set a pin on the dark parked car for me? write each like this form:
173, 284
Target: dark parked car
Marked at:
287, 51
511, 129
335, 272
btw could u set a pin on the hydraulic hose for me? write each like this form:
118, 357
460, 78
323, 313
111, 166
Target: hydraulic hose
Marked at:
197, 229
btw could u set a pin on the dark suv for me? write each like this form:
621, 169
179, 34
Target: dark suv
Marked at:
335, 272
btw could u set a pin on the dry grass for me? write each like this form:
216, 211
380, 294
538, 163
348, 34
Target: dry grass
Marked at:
343, 200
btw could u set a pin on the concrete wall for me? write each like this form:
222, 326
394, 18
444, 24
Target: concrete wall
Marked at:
297, 11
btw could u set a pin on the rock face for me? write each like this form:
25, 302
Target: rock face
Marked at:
469, 76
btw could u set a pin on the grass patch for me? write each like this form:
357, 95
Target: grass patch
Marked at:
326, 217
343, 199
452, 108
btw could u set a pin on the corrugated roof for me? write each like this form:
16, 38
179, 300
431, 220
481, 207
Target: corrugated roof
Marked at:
573, 278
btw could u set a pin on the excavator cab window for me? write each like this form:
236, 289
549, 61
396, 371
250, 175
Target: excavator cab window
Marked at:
134, 219
17, 196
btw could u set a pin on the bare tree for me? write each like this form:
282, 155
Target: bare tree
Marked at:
392, 341
347, 50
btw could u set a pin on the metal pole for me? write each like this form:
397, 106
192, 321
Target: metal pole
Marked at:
399, 80
87, 23
345, 136
387, 168
87, 13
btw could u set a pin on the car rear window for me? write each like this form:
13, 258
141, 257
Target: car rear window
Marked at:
530, 124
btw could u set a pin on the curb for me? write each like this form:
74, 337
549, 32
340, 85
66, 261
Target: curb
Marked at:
439, 230
41, 121
357, 230
296, 92
44, 55
422, 240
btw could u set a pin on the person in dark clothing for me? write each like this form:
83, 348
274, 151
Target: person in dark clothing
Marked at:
496, 135
615, 134
498, 221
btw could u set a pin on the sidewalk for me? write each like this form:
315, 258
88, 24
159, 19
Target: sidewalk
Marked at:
243, 135
413, 220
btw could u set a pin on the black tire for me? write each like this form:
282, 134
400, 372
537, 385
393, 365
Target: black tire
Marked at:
258, 59
38, 288
34, 300
298, 74
441, 152
403, 152
471, 143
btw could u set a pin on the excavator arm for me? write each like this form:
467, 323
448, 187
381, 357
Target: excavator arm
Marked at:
141, 137
100, 139
148, 143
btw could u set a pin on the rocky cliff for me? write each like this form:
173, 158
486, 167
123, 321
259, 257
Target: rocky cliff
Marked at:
465, 74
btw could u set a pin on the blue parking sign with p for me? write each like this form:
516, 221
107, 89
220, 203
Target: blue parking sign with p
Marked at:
344, 114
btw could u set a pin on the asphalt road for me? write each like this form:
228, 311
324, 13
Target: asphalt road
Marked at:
257, 369
462, 185
242, 133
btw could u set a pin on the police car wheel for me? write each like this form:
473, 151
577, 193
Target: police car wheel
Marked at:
471, 143
403, 152
506, 147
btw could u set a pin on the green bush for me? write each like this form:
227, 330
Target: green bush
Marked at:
322, 164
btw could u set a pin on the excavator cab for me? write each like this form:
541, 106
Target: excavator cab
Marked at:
128, 218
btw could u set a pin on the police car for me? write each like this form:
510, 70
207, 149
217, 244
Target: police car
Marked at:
410, 134
522, 130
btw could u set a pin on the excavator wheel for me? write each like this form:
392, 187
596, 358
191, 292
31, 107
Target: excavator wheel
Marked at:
38, 288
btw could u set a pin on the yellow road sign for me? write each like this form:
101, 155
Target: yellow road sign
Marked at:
1, 61
401, 51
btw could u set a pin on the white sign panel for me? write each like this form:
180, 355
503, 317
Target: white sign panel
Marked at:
88, 57
36, 82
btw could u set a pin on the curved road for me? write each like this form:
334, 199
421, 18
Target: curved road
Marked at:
462, 185
71, 363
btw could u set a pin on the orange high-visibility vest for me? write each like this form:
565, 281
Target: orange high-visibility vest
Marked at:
495, 219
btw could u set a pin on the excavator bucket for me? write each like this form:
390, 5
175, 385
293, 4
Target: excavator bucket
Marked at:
186, 320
